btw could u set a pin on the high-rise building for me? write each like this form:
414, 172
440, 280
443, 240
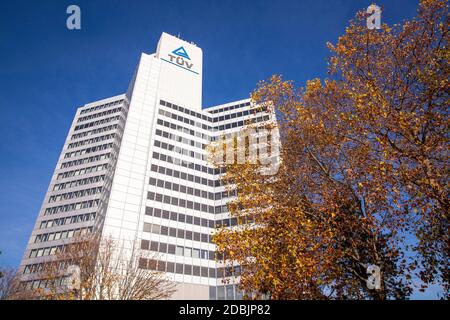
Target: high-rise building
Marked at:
134, 167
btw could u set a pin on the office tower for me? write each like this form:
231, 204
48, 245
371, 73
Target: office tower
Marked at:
134, 167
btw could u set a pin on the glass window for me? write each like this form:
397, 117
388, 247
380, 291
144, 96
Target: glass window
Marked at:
238, 294
154, 246
195, 253
221, 293
170, 267
161, 266
145, 244
187, 269
179, 251
147, 227
195, 270
152, 264
156, 229
167, 199
229, 292
163, 247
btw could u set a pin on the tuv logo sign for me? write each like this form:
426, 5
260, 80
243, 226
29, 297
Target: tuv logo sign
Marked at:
181, 52
181, 58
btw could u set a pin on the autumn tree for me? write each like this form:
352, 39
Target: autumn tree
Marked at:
364, 172
9, 282
107, 270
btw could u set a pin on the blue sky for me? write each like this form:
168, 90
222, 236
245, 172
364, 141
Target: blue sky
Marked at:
46, 70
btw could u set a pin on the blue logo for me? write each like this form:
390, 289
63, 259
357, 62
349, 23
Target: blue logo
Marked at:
179, 58
181, 52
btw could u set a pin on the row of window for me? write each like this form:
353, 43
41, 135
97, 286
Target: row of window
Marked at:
67, 220
35, 268
217, 128
185, 218
75, 194
88, 150
177, 138
98, 122
66, 234
184, 176
102, 106
236, 106
179, 128
186, 203
72, 207
100, 114
186, 152
191, 191
48, 251
43, 283
185, 120
226, 292
79, 182
221, 118
241, 123
85, 160
177, 250
55, 265
184, 110
177, 233
188, 269
90, 141
78, 172
239, 114
187, 164
94, 131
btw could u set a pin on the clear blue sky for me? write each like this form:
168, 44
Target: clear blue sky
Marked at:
46, 70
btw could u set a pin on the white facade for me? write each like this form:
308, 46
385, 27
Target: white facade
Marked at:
158, 189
